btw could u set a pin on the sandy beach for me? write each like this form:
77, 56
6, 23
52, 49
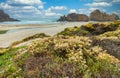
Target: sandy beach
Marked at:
19, 32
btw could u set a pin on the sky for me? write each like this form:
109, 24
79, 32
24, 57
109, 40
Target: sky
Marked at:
57, 8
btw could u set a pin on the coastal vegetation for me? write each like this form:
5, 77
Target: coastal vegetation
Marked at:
91, 29
39, 35
89, 51
3, 31
10, 61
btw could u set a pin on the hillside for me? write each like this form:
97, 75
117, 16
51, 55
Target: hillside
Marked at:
5, 17
89, 51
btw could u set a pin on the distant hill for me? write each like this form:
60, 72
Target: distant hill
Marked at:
96, 15
5, 17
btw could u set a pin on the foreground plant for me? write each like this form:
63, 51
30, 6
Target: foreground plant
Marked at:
71, 57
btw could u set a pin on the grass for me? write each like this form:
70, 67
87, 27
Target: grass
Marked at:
9, 65
40, 35
3, 31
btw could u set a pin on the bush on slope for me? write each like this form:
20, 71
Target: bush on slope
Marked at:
72, 57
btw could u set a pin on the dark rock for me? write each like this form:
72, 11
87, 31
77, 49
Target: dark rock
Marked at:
5, 17
113, 17
97, 15
62, 18
74, 17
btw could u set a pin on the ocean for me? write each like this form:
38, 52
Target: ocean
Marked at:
33, 21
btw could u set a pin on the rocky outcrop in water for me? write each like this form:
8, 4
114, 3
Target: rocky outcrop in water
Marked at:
74, 17
96, 15
5, 17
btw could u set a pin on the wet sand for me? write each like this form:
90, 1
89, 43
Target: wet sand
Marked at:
20, 32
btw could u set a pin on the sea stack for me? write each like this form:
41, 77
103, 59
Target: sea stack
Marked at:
5, 17
97, 15
74, 17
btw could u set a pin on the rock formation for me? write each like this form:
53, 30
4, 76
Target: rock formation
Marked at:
5, 17
74, 17
96, 15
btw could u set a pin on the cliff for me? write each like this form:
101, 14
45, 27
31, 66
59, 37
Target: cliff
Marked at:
5, 17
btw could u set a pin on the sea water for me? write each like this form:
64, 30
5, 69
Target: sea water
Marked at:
32, 21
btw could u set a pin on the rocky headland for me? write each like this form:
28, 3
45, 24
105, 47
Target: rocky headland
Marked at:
5, 17
96, 15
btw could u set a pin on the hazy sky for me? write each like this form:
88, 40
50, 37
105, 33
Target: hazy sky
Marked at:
56, 8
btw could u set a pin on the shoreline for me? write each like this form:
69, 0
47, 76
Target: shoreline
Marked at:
23, 31
15, 26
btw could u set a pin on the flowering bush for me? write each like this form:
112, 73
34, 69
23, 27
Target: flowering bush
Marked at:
72, 57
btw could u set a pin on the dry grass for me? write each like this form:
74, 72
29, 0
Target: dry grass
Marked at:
41, 35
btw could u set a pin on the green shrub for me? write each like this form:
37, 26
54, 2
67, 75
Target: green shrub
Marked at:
91, 29
76, 31
3, 31
41, 35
